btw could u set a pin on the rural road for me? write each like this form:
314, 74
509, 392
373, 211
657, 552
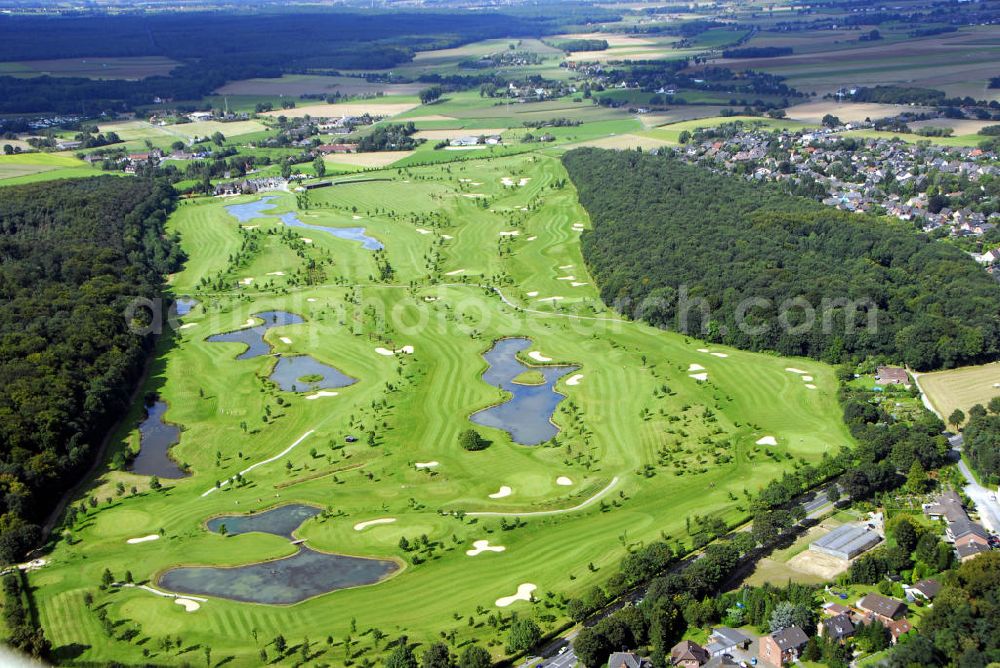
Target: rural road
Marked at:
984, 498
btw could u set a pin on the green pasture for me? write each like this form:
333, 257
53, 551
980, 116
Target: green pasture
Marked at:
31, 167
643, 441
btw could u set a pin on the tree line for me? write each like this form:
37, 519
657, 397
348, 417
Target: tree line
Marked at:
750, 266
75, 254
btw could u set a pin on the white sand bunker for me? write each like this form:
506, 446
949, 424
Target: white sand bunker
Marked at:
246, 281
481, 546
275, 273
566, 278
524, 181
321, 393
510, 233
808, 379
533, 293
702, 350
563, 481
421, 230
791, 369
574, 379
810, 386
306, 240
188, 325
551, 299
507, 181
425, 465
447, 236
696, 367
188, 604
355, 217
455, 273
719, 354
577, 227
567, 266
311, 299
361, 526
523, 594
538, 357
473, 195
699, 376
144, 539
408, 350
502, 492
767, 440
577, 284
531, 238
285, 339
249, 227
249, 323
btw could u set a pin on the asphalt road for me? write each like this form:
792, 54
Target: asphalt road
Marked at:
984, 498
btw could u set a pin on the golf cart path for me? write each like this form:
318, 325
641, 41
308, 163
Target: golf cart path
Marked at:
581, 506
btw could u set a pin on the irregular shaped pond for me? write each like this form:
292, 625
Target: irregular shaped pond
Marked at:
289, 370
305, 574
156, 437
253, 336
249, 211
527, 415
183, 305
281, 521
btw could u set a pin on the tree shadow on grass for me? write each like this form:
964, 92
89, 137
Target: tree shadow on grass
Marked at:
69, 652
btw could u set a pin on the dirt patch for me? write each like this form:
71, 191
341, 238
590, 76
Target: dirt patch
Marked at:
816, 563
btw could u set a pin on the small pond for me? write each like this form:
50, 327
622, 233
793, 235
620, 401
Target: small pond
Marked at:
281, 521
305, 574
156, 437
253, 337
183, 305
249, 211
527, 415
289, 370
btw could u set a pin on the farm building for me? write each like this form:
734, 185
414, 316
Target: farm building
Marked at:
846, 542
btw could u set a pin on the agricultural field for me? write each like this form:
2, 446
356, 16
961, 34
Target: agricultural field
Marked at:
473, 253
30, 167
294, 85
960, 388
138, 67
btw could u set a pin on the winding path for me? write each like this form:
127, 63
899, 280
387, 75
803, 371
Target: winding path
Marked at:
533, 513
266, 461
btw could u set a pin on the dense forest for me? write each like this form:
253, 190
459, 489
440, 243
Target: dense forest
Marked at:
73, 256
214, 48
748, 265
982, 441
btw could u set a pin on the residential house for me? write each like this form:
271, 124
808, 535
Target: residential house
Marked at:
892, 375
926, 589
897, 628
725, 640
782, 646
883, 608
948, 507
970, 551
688, 655
965, 531
836, 628
624, 660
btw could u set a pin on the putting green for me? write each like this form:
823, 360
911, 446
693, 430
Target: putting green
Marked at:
642, 444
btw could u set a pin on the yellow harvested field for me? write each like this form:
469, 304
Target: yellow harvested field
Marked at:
961, 126
438, 135
612, 39
813, 112
431, 118
346, 109
207, 128
378, 159
619, 142
960, 388
636, 53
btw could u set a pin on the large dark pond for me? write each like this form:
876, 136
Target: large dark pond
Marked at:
303, 575
251, 210
156, 437
253, 337
527, 415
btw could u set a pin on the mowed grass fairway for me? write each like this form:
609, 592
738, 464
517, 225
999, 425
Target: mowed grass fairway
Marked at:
961, 388
448, 232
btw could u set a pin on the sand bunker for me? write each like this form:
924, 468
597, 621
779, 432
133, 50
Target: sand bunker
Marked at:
511, 233
719, 354
524, 181
502, 492
563, 481
699, 376
696, 367
533, 293
702, 350
447, 236
473, 195
507, 181
311, 299
188, 325
421, 230
249, 323
574, 379
246, 281
275, 273
578, 227
567, 266
285, 339
767, 440
538, 357
408, 350
188, 604
531, 238
481, 546
321, 393
361, 526
455, 273
810, 386
808, 379
550, 299
306, 240
566, 278
425, 465
523, 594
355, 217
577, 284
791, 369
144, 539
